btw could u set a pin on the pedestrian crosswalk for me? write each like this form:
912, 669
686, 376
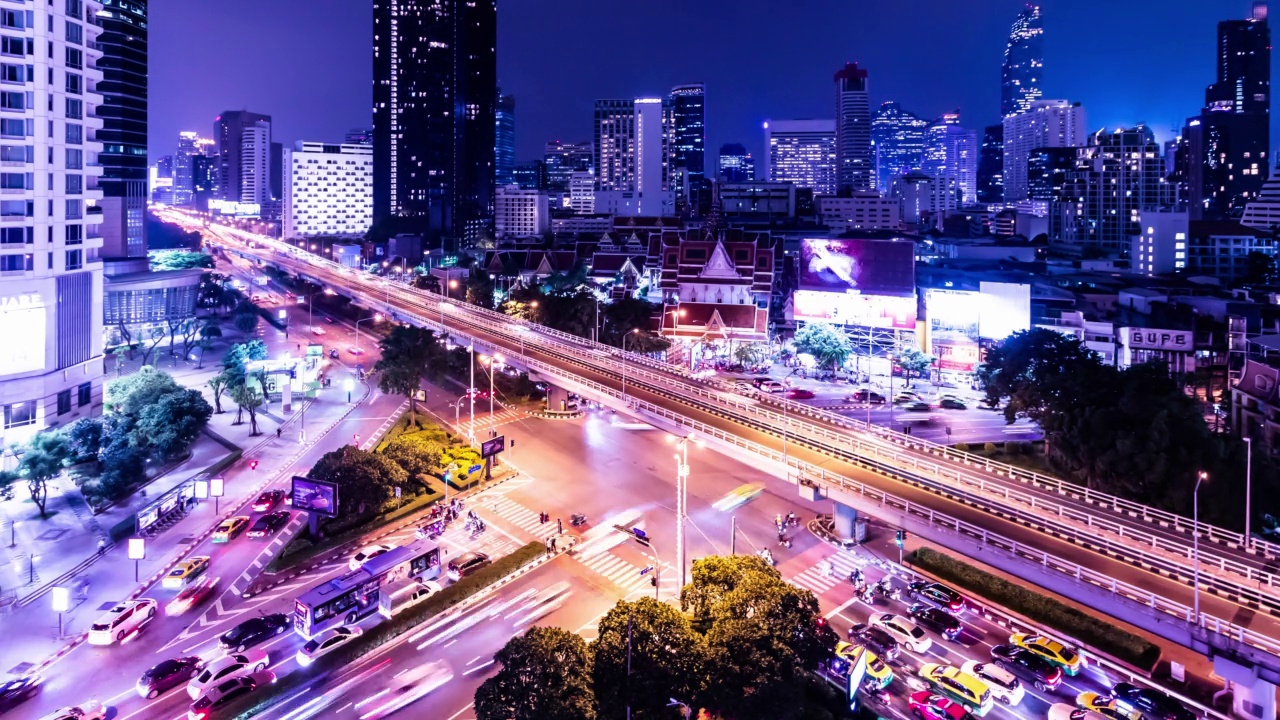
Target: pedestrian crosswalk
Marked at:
626, 575
524, 519
816, 579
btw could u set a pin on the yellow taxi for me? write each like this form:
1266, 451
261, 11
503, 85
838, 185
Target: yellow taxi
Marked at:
230, 528
738, 497
878, 672
958, 685
1106, 707
185, 571
1055, 652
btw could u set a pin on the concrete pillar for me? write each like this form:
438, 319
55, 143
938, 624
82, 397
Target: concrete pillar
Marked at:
1251, 697
557, 399
846, 520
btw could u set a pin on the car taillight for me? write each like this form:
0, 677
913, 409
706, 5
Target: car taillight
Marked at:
957, 605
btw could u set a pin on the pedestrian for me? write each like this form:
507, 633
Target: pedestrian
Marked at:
560, 526
277, 432
102, 545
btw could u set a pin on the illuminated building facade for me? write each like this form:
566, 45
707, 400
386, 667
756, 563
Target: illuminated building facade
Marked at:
633, 151
1023, 69
124, 127
1046, 124
328, 190
951, 154
854, 167
898, 143
802, 152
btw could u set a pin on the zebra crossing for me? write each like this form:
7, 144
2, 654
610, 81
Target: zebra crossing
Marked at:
524, 519
813, 578
625, 574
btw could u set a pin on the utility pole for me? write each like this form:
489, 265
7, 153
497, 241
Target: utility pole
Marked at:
682, 491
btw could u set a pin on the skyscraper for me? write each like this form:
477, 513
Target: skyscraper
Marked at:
689, 128
855, 170
1228, 142
504, 146
991, 165
1117, 176
1045, 124
562, 160
898, 139
51, 284
124, 127
633, 152
358, 136
434, 167
801, 152
182, 177
1023, 69
228, 138
951, 154
255, 163
736, 164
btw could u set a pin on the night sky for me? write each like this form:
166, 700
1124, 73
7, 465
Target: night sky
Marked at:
308, 63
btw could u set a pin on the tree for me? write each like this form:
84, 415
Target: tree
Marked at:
751, 354
210, 332
480, 289
123, 468
1031, 368
247, 398
130, 394
85, 436
666, 661
156, 335
169, 426
915, 363
545, 675
418, 457
240, 355
827, 344
711, 578
364, 479
246, 320
44, 458
427, 282
219, 384
626, 315
406, 350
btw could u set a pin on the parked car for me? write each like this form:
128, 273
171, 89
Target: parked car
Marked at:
17, 690
326, 642
465, 564
267, 500
799, 394
866, 396
220, 696
937, 595
168, 674
253, 631
269, 524
226, 667
936, 619
1003, 684
1153, 704
122, 620
1029, 667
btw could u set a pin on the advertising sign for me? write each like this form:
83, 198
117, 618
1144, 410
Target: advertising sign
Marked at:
22, 320
866, 267
877, 311
1154, 339
953, 327
492, 447
315, 496
1006, 309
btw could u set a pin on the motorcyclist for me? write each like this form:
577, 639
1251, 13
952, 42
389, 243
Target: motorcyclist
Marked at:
826, 568
791, 519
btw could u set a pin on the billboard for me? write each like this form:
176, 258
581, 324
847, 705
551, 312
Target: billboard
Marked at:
1153, 339
492, 447
865, 267
1006, 309
22, 320
877, 311
315, 496
954, 319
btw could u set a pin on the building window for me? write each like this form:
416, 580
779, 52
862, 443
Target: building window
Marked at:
75, 109
75, 58
74, 9
64, 402
12, 263
75, 259
74, 33
75, 234
19, 414
12, 46
75, 133
75, 83
84, 394
75, 184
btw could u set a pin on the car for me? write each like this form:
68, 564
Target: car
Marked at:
904, 397
1153, 705
1106, 706
1029, 667
326, 642
958, 685
168, 674
92, 710
1004, 685
226, 667
267, 500
1063, 711
122, 620
355, 351
465, 564
879, 641
917, 406
253, 631
185, 571
191, 596
368, 553
17, 690
799, 394
744, 387
230, 528
903, 630
227, 692
269, 524
1055, 652
771, 386
936, 595
931, 706
952, 404
879, 674
738, 497
936, 619
866, 396
317, 330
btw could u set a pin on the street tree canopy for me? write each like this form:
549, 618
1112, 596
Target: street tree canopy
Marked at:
545, 675
365, 480
402, 367
667, 659
129, 395
826, 343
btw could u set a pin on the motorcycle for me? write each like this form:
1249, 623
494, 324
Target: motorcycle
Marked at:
857, 579
886, 590
767, 556
784, 541
867, 595
577, 519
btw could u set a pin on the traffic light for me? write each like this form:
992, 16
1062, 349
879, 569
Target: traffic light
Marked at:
902, 538
253, 464
653, 581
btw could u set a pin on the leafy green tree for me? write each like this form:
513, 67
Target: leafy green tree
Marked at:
826, 343
248, 399
219, 384
1031, 369
130, 394
713, 577
667, 660
480, 289
123, 468
406, 351
246, 320
915, 363
419, 457
169, 426
365, 480
751, 354
8, 478
545, 675
623, 317
85, 436
43, 459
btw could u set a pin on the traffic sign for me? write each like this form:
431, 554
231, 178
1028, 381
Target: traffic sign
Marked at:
475, 469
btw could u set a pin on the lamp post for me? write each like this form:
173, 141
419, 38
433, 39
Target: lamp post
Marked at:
1248, 490
682, 490
13, 533
349, 385
61, 603
493, 363
377, 317
31, 569
471, 390
634, 331
1195, 545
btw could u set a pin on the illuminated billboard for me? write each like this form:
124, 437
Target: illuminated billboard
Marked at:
866, 267
877, 311
1006, 309
315, 496
954, 321
22, 321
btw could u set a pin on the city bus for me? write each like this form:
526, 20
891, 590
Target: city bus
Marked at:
350, 597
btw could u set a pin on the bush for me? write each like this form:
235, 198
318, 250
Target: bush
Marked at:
989, 448
1094, 632
962, 447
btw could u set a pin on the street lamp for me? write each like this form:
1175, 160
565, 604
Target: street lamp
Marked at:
644, 540
31, 572
625, 338
682, 502
1195, 544
349, 385
1248, 490
377, 317
137, 553
61, 603
471, 390
677, 312
453, 285
493, 363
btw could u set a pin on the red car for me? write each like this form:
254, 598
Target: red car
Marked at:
927, 706
268, 500
799, 394
191, 596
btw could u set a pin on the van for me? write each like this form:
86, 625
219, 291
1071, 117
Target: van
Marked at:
466, 564
1003, 684
410, 593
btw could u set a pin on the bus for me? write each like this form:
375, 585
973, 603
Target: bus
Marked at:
350, 597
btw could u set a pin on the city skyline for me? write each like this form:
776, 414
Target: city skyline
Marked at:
914, 67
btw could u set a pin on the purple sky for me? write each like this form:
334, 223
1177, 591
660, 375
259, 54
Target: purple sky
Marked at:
308, 63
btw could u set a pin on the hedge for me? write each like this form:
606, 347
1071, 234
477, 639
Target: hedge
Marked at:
389, 630
1094, 632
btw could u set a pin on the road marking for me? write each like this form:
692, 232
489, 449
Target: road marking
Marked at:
844, 605
477, 668
455, 715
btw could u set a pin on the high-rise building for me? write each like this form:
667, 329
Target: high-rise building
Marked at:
562, 160
504, 145
204, 180
689, 134
530, 175
124, 126
255, 163
736, 164
951, 154
520, 213
854, 166
182, 178
1117, 176
328, 191
358, 136
434, 167
1045, 124
51, 279
582, 192
633, 150
802, 152
898, 140
1023, 69
991, 165
923, 199
1228, 143
228, 138
1047, 170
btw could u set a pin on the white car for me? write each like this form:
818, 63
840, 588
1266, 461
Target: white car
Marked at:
326, 642
1063, 711
92, 710
367, 554
1003, 684
904, 631
317, 330
226, 667
121, 621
